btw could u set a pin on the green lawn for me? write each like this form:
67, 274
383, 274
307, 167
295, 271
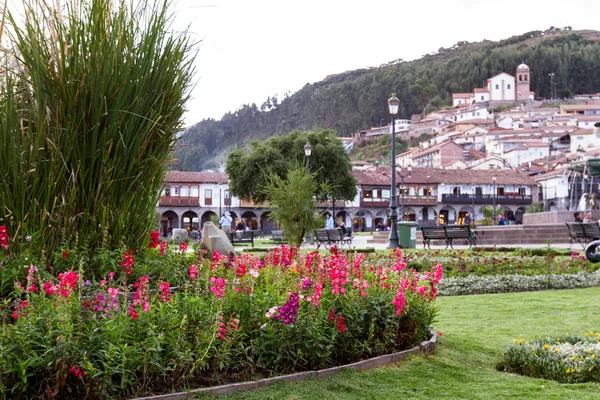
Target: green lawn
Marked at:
475, 331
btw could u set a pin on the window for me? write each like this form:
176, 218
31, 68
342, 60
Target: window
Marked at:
227, 198
497, 86
521, 191
194, 191
167, 191
385, 194
208, 197
185, 191
175, 191
481, 98
508, 86
525, 77
520, 78
368, 195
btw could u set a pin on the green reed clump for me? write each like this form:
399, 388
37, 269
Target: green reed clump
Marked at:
91, 99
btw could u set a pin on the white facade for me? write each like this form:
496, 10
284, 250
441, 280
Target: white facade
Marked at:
216, 195
585, 139
501, 87
525, 154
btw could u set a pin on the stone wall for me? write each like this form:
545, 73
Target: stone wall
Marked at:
555, 217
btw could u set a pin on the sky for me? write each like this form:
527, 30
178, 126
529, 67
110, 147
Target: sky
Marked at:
251, 49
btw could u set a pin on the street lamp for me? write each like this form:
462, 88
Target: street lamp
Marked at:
229, 196
393, 104
551, 75
307, 152
219, 186
402, 183
473, 204
494, 197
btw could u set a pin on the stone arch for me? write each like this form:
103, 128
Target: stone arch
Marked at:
206, 217
251, 220
519, 215
343, 216
190, 221
267, 224
462, 212
363, 221
168, 219
447, 215
409, 214
428, 215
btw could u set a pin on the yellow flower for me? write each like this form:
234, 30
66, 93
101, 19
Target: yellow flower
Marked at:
516, 340
585, 334
521, 341
567, 334
593, 356
558, 339
568, 371
578, 371
581, 357
591, 333
546, 346
573, 358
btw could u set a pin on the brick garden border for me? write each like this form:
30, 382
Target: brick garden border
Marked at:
425, 347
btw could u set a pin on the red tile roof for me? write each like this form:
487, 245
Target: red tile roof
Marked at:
195, 177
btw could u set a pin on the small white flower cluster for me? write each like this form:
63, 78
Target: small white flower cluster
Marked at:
515, 283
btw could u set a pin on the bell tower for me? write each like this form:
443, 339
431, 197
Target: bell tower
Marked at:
522, 88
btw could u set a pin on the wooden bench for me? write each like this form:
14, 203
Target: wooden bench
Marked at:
241, 237
583, 232
277, 236
448, 233
332, 236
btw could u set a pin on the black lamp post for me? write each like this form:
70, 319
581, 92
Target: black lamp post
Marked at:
494, 197
393, 104
473, 204
220, 213
551, 85
402, 184
307, 152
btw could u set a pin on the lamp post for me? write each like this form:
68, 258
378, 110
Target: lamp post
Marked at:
393, 104
551, 75
473, 204
494, 197
307, 152
219, 186
402, 183
229, 196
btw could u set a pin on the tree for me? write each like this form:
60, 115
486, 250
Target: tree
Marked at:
249, 169
422, 91
292, 203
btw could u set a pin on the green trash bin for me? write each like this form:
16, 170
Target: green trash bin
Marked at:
407, 234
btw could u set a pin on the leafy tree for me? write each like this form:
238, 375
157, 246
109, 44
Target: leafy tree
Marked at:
249, 169
292, 203
423, 91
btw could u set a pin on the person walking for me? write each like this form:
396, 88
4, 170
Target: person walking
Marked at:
225, 222
329, 222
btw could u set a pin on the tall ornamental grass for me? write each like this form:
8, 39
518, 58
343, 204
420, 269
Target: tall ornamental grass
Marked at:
91, 98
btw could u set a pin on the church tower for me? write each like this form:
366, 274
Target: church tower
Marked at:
522, 88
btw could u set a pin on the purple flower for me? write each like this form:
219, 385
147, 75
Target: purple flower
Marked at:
288, 311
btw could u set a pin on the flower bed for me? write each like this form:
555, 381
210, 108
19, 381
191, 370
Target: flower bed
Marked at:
230, 319
515, 283
564, 359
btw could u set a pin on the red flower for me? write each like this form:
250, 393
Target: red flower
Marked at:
127, 262
133, 313
78, 372
154, 236
3, 237
65, 254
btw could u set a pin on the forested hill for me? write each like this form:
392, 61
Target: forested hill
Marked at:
356, 100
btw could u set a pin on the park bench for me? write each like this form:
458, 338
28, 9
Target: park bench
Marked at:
241, 237
583, 232
332, 236
448, 233
277, 236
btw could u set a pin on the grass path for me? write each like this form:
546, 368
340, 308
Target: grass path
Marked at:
475, 331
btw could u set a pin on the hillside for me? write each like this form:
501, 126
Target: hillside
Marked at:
355, 100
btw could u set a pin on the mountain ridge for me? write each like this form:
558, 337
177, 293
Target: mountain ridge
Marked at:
357, 99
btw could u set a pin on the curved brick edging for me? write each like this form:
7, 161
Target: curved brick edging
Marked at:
425, 347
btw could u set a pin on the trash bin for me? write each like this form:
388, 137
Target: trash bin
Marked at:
407, 234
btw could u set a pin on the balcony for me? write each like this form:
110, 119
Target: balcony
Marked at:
329, 204
507, 199
176, 201
409, 200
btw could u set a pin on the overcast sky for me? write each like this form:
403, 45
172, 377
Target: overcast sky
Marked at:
252, 49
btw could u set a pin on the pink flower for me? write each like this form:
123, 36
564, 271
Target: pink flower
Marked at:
183, 247
193, 272
127, 262
77, 372
399, 301
218, 287
164, 291
163, 248
3, 237
133, 313
154, 236
49, 288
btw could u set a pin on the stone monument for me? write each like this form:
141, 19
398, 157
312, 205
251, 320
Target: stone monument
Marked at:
215, 239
